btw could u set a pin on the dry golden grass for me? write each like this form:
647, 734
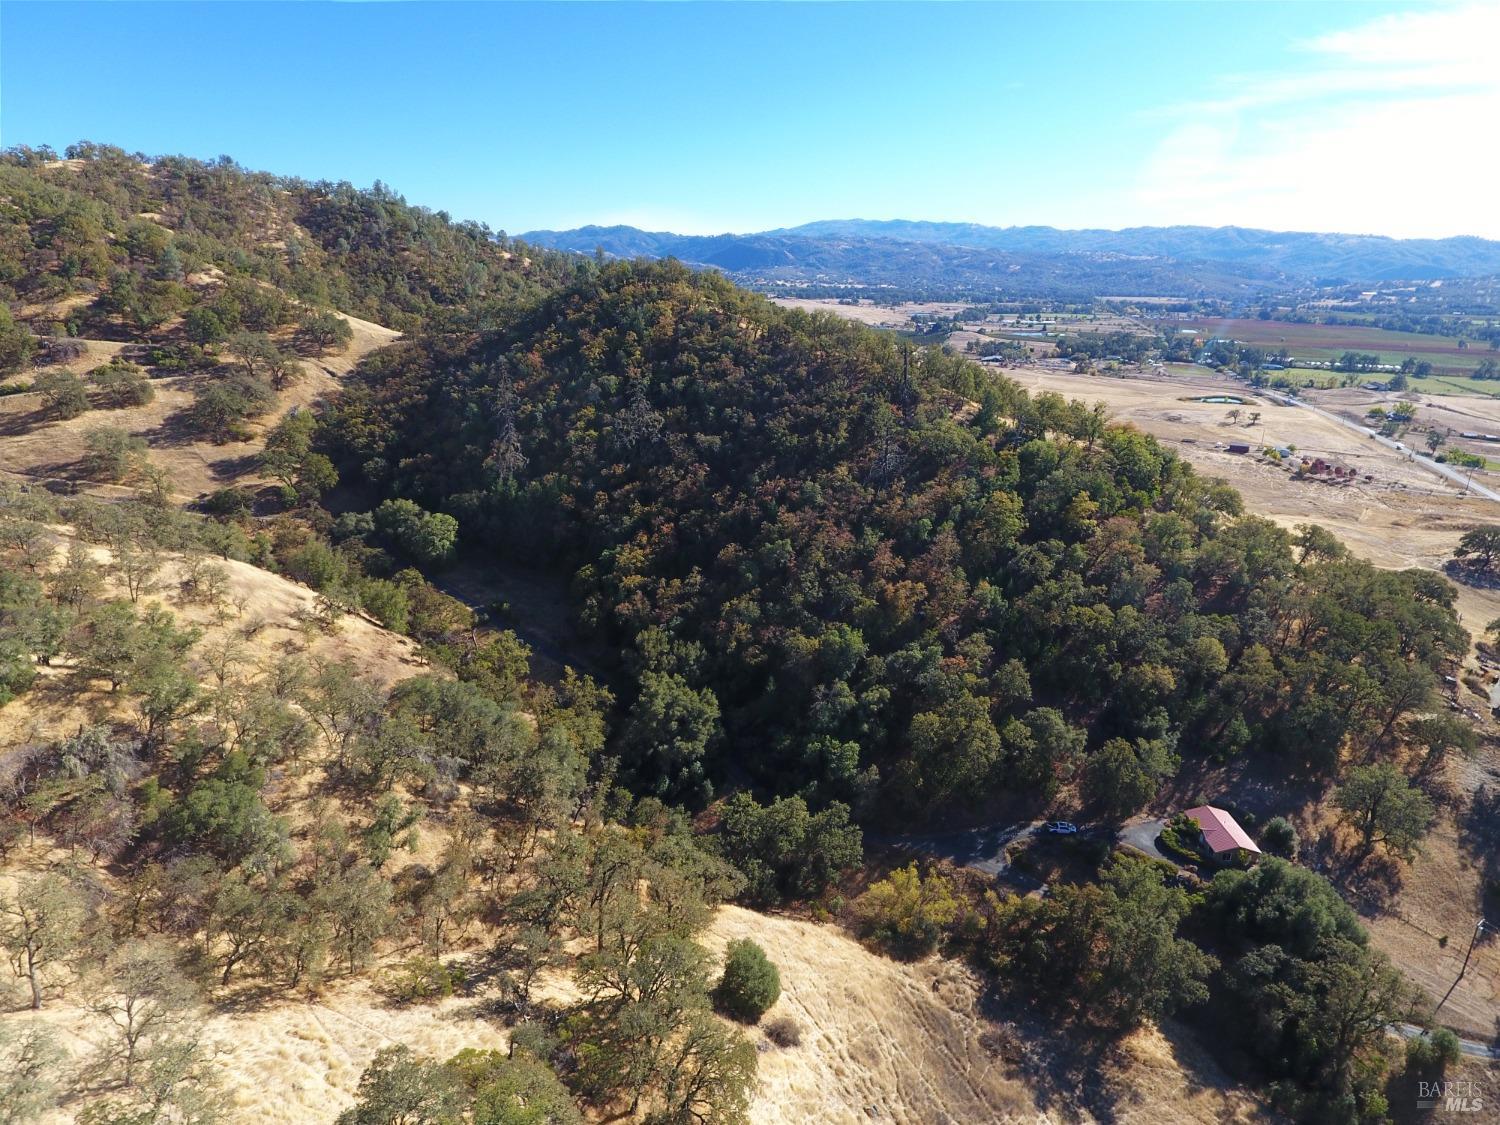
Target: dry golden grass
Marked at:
39, 448
888, 1041
294, 1060
264, 613
881, 1040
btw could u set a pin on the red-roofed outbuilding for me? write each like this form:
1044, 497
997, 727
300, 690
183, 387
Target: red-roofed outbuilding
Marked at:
1222, 834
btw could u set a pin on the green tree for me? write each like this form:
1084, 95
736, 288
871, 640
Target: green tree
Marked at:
519, 1089
1483, 542
645, 996
392, 826
79, 580
357, 904
750, 984
428, 538
785, 851
111, 453
107, 642
16, 342
289, 458
670, 729
1437, 736
326, 330
41, 926
709, 1075
63, 393
1433, 1053
907, 912
178, 1080
1111, 950
203, 325
143, 995
31, 1071
221, 406
1279, 837
1123, 777
398, 1088
122, 383
953, 751
1384, 808
224, 813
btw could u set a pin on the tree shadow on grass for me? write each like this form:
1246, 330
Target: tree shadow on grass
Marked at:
232, 468
175, 431
1479, 836
18, 422
1061, 1062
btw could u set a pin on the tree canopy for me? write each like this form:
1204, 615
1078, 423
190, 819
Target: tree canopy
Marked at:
864, 591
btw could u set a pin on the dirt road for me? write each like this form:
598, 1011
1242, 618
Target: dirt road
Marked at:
1445, 471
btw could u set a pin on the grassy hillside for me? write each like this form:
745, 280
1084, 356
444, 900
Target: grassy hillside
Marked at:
124, 230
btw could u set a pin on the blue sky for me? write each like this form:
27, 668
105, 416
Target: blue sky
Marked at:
708, 117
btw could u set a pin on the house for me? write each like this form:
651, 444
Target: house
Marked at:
1221, 835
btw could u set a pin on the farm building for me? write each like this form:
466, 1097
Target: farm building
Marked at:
1221, 835
1239, 447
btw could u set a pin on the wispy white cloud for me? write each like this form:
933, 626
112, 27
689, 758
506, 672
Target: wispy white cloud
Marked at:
1385, 127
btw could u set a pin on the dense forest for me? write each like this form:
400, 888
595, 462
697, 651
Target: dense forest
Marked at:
845, 570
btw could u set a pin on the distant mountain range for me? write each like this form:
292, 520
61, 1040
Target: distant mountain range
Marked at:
968, 257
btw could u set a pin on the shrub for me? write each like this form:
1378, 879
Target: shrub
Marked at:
1433, 1053
111, 453
784, 1032
122, 383
908, 913
62, 393
422, 980
1279, 837
750, 984
1180, 836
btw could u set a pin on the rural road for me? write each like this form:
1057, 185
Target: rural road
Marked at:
982, 848
1141, 835
1452, 475
1467, 1046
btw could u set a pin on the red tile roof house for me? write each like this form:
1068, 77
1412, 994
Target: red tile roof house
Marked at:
1222, 836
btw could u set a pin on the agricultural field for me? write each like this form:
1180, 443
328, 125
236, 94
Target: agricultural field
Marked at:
1458, 385
1324, 342
898, 316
